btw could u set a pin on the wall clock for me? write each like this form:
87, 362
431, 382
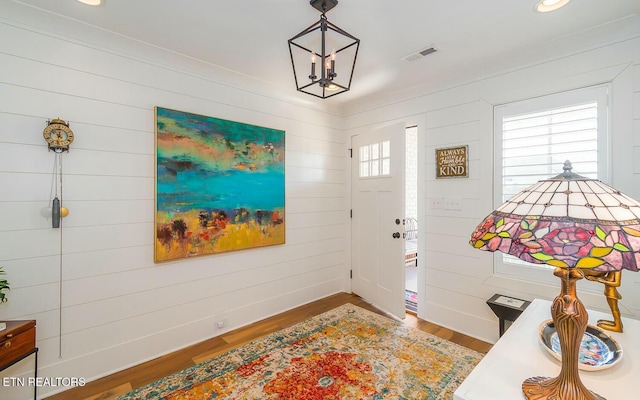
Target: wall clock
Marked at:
58, 135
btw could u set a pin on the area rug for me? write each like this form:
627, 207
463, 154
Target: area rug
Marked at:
345, 353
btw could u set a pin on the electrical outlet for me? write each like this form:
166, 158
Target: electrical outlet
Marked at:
222, 323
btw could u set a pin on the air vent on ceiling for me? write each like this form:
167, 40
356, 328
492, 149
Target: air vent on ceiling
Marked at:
419, 54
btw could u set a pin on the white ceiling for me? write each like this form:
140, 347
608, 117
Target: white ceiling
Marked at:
475, 38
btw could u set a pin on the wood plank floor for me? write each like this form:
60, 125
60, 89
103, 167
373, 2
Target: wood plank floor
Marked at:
122, 382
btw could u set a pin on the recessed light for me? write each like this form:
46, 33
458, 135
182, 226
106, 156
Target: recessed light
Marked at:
550, 5
91, 2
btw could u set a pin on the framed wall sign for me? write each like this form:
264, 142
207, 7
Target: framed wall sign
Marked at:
452, 162
219, 185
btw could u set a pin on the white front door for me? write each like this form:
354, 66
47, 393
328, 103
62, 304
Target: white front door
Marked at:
377, 230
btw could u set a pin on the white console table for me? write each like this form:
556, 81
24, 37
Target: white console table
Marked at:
519, 355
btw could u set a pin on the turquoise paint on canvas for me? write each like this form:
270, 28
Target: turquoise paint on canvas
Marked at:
210, 169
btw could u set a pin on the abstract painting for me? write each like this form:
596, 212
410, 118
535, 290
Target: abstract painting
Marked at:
219, 185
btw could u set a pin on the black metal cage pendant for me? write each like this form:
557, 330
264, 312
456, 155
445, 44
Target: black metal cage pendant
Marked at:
323, 56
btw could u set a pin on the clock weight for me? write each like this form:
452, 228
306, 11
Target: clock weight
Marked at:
55, 213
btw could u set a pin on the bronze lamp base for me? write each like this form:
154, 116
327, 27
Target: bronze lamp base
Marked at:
558, 388
570, 319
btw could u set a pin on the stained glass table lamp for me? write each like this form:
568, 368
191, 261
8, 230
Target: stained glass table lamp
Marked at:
574, 224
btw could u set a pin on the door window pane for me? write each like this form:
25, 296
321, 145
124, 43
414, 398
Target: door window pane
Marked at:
375, 159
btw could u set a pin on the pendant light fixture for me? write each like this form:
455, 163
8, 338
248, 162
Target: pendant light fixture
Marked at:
323, 56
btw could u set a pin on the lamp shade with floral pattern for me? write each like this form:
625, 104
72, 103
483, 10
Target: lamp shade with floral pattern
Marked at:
566, 221
580, 226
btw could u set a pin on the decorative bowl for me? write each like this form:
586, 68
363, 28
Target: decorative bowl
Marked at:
597, 350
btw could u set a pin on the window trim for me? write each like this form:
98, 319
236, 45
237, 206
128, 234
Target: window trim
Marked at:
600, 94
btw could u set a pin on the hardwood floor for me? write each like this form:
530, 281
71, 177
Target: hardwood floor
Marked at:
122, 382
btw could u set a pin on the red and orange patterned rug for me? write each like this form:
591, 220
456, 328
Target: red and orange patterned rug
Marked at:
345, 353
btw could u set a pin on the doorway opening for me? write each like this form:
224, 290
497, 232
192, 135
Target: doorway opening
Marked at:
411, 219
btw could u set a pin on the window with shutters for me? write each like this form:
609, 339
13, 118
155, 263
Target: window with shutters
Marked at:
534, 138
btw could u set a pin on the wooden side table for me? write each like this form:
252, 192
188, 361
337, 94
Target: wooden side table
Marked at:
18, 342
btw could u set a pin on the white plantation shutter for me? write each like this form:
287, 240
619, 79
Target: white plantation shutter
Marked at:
535, 146
533, 140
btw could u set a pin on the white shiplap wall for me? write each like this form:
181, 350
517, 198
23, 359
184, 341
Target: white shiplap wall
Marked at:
455, 280
118, 307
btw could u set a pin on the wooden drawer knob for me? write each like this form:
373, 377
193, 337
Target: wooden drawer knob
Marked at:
7, 345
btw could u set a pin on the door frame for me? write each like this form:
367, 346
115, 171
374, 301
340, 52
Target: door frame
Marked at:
418, 120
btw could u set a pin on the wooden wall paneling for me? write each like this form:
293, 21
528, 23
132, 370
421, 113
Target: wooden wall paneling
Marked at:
308, 189
21, 100
462, 187
454, 114
28, 243
107, 237
464, 284
451, 134
31, 271
302, 174
114, 296
112, 139
101, 60
26, 300
22, 129
102, 262
480, 320
636, 77
462, 264
150, 312
331, 133
22, 158
314, 145
87, 188
306, 205
313, 234
97, 163
449, 244
109, 212
25, 187
442, 224
636, 105
316, 219
154, 282
25, 216
309, 160
578, 71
